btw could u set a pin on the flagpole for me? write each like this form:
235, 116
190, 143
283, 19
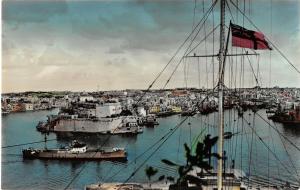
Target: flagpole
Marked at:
220, 91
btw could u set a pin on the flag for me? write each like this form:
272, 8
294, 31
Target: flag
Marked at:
242, 37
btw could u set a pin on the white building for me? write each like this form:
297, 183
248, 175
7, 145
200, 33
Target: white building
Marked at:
86, 98
142, 111
28, 106
108, 109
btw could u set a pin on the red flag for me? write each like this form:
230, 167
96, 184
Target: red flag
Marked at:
242, 37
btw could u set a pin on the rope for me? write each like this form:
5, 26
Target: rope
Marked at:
172, 58
85, 164
279, 133
275, 156
185, 55
23, 144
205, 16
141, 165
274, 46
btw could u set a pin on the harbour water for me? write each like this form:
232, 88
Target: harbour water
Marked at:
264, 145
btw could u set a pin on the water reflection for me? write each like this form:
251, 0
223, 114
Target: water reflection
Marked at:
97, 140
292, 130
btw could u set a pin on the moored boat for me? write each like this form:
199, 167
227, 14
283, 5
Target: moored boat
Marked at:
77, 151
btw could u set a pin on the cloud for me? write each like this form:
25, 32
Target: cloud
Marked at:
47, 71
78, 45
28, 11
115, 50
120, 61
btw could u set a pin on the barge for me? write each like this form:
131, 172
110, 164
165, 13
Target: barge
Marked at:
77, 151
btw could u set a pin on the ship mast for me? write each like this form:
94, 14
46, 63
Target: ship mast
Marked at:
220, 91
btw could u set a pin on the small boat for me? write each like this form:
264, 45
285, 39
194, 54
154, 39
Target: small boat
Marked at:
149, 120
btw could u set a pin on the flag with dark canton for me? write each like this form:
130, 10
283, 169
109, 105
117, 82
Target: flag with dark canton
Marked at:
242, 37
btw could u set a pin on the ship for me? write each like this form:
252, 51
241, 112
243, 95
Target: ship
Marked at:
104, 121
291, 117
77, 151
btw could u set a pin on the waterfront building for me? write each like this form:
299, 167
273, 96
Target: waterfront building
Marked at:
108, 109
28, 106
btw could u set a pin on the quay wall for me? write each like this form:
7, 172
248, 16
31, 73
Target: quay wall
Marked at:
103, 125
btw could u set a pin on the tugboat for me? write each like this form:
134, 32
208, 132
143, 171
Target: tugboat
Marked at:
77, 151
149, 120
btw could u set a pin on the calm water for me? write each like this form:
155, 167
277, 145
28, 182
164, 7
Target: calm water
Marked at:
36, 174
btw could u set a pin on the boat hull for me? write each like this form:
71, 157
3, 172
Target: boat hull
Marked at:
119, 155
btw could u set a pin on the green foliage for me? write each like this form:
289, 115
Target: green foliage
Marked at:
228, 135
150, 171
169, 162
162, 177
200, 159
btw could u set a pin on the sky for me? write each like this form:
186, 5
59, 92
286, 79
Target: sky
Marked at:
83, 45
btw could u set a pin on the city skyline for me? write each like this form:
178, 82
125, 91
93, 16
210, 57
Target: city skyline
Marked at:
115, 45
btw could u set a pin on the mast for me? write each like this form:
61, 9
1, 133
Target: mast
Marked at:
220, 92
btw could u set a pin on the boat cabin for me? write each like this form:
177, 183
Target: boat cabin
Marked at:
77, 148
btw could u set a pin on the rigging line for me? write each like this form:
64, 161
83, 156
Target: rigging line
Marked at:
244, 15
279, 51
205, 46
73, 179
182, 60
179, 141
213, 46
242, 145
251, 146
195, 6
236, 139
165, 136
212, 32
86, 163
275, 181
226, 51
256, 80
205, 17
195, 2
289, 156
229, 10
185, 72
185, 53
178, 49
148, 149
206, 71
229, 72
270, 54
258, 71
293, 144
15, 145
199, 82
141, 165
275, 156
268, 172
113, 165
190, 132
